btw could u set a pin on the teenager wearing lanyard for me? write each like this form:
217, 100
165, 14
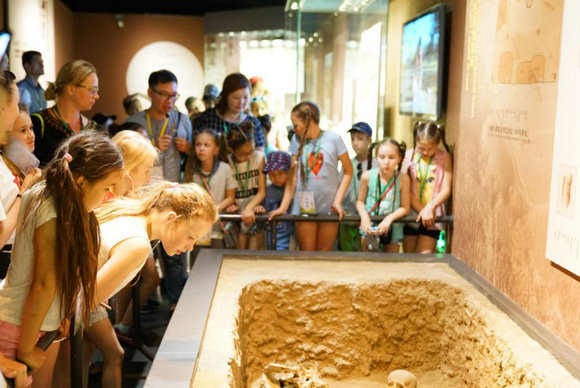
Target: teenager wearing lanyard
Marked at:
430, 170
315, 184
170, 132
384, 191
75, 90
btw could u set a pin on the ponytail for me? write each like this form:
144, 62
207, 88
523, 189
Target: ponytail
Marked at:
305, 111
370, 155
402, 150
186, 200
429, 131
92, 156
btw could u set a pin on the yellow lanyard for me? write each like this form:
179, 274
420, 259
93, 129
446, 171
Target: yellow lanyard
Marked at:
163, 128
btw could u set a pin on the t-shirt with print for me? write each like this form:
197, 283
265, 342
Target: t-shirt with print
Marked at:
323, 179
219, 182
178, 125
14, 289
247, 175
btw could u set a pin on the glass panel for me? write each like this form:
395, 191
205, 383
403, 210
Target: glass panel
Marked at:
344, 61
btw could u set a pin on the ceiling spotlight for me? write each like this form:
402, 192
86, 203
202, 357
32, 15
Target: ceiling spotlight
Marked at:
120, 19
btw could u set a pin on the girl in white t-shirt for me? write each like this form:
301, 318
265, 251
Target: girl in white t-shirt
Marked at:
139, 156
206, 167
177, 215
248, 166
55, 253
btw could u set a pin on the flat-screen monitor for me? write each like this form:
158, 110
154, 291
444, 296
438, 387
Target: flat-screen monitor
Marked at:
422, 64
4, 40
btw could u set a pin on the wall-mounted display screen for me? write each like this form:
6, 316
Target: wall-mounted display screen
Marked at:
422, 64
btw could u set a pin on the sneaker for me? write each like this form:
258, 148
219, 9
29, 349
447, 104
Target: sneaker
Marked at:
126, 338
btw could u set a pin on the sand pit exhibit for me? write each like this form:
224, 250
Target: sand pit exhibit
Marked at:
353, 322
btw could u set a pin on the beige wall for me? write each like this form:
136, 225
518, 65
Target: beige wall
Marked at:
63, 34
501, 188
97, 39
401, 126
502, 185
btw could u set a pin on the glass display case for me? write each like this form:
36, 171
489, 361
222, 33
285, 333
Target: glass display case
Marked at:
342, 54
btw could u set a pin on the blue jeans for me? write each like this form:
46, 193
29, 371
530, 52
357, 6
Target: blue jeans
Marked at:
174, 275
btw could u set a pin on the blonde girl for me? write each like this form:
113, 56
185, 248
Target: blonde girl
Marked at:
75, 90
430, 170
175, 215
247, 165
384, 191
139, 156
55, 254
315, 186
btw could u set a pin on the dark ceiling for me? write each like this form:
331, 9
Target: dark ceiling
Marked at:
173, 7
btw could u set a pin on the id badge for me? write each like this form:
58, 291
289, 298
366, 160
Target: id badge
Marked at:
307, 205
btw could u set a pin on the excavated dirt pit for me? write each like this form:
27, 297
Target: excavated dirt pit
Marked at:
356, 321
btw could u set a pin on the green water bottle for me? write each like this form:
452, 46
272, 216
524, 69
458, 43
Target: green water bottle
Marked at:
441, 245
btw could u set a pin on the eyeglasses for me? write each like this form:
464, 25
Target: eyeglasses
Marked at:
166, 96
92, 89
359, 170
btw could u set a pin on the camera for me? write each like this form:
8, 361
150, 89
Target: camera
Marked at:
373, 243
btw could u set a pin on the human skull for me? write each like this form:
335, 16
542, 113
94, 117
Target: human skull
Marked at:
401, 378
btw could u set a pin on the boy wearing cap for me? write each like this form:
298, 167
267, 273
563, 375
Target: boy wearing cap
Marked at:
361, 139
277, 166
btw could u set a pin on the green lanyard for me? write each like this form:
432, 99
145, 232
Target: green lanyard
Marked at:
381, 193
244, 186
64, 123
423, 179
311, 167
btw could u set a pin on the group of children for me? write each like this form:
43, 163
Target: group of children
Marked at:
81, 232
390, 182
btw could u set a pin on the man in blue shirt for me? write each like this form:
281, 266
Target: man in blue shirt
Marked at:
31, 93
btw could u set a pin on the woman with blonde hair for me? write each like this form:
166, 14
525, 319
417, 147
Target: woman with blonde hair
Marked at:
75, 90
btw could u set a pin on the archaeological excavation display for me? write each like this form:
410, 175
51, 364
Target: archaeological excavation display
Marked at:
309, 322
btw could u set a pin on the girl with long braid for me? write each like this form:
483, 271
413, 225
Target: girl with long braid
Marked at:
315, 186
55, 253
430, 170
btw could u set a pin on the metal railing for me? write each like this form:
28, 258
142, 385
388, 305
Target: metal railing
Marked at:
323, 218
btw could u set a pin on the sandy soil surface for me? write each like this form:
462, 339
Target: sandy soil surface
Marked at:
359, 320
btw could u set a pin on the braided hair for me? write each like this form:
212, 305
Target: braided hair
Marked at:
305, 111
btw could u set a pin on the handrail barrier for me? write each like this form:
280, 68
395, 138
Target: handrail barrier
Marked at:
324, 218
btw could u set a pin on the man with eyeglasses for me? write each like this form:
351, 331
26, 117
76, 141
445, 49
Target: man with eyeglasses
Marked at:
168, 129
170, 132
